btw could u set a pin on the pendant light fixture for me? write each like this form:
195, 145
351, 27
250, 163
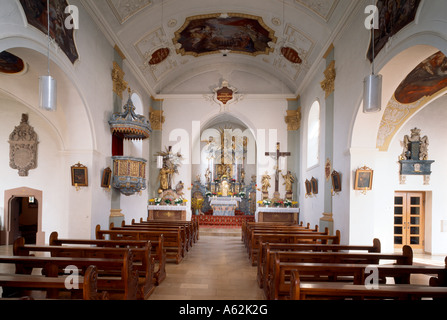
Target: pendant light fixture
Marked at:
47, 84
372, 88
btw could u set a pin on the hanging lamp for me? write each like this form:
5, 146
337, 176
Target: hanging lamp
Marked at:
372, 85
47, 84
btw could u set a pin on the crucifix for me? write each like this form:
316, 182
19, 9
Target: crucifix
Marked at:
277, 155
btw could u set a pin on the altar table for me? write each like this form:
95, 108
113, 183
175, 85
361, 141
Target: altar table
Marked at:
169, 212
274, 214
224, 206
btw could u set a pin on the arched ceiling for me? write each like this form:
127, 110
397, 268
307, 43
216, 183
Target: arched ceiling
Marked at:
149, 33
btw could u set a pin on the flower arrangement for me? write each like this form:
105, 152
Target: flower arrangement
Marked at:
180, 200
278, 203
168, 201
241, 194
289, 203
265, 202
208, 194
157, 200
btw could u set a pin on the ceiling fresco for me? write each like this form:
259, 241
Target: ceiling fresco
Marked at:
238, 33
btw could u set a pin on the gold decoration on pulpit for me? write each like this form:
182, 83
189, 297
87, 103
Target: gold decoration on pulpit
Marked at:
328, 84
293, 119
119, 85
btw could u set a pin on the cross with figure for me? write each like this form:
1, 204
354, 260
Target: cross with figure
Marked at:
276, 156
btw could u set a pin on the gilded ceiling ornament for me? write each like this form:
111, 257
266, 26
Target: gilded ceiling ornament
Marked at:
293, 119
119, 85
23, 147
328, 84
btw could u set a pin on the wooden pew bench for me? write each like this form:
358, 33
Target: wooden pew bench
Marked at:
52, 285
182, 230
266, 261
158, 253
277, 285
339, 290
306, 237
191, 226
172, 239
123, 287
141, 259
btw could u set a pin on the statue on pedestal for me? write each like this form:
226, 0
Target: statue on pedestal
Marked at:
289, 179
265, 185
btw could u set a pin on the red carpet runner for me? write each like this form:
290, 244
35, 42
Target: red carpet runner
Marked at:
208, 220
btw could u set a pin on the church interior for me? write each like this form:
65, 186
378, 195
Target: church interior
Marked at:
228, 127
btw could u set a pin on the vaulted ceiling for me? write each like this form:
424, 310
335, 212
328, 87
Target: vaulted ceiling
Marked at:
153, 36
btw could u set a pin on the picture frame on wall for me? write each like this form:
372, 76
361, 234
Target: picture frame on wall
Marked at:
106, 177
314, 183
336, 181
308, 185
363, 179
79, 175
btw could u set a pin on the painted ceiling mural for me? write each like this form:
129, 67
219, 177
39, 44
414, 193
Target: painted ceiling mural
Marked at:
237, 33
10, 64
36, 13
393, 16
424, 83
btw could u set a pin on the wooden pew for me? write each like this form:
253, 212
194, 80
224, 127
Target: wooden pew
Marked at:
181, 229
265, 260
277, 285
291, 237
141, 258
192, 226
266, 227
123, 287
339, 290
87, 284
158, 253
172, 239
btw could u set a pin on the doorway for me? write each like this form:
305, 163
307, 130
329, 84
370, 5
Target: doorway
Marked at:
409, 220
23, 219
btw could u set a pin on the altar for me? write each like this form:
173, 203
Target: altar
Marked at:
169, 212
277, 214
224, 206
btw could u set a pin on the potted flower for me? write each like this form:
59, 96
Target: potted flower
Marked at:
157, 201
266, 202
208, 194
287, 203
178, 201
241, 194
168, 201
278, 203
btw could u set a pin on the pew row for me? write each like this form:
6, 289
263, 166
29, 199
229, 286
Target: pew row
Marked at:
265, 260
172, 239
121, 287
141, 259
328, 266
158, 253
339, 290
87, 285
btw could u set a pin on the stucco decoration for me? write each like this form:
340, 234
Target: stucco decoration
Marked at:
23, 147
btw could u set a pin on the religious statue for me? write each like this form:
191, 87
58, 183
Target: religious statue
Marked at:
208, 175
179, 188
163, 176
265, 182
289, 179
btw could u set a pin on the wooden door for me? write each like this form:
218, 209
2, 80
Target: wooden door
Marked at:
409, 218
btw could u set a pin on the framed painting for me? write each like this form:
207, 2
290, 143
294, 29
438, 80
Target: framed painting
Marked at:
106, 177
314, 183
308, 185
363, 179
79, 175
336, 181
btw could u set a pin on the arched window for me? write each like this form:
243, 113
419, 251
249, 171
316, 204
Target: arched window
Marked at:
313, 135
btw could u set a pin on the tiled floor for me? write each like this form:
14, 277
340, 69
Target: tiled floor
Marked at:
216, 268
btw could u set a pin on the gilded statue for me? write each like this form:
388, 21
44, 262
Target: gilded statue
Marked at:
164, 177
289, 179
265, 182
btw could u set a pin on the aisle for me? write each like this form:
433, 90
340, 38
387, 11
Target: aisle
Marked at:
216, 268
